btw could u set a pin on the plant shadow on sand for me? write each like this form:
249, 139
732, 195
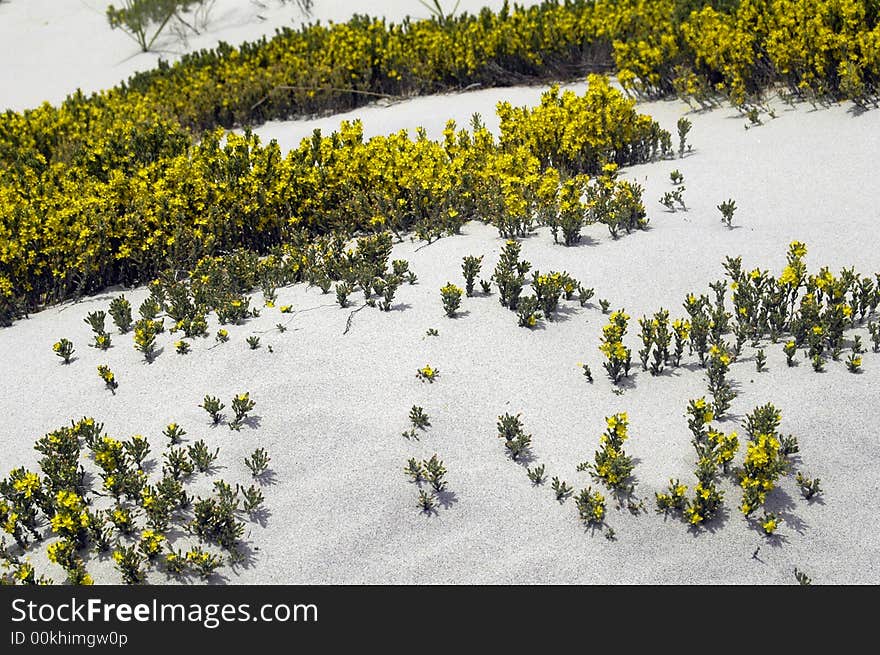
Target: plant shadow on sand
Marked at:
261, 516
266, 478
722, 516
525, 458
780, 503
446, 499
564, 313
253, 422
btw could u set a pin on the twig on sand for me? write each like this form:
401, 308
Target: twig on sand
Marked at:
350, 317
287, 87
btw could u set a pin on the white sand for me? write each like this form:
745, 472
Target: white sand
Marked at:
332, 407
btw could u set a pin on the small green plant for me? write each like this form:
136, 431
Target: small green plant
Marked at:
727, 208
527, 311
145, 331
431, 332
437, 10
181, 347
605, 305
201, 456
769, 523
258, 462
414, 470
618, 357
253, 498
470, 268
175, 562
510, 274
174, 433
587, 372
128, 562
684, 126
149, 309
241, 405
387, 287
719, 386
857, 347
122, 519
809, 487
584, 295
486, 287
213, 406
95, 320
802, 578
203, 562
818, 363
676, 177
790, 350
434, 473
670, 198
854, 363
120, 312
590, 506
516, 441
427, 373
343, 289
253, 341
418, 418
137, 448
451, 297
64, 349
145, 20
561, 489
610, 463
109, 378
426, 502
536, 475
150, 544
673, 499
874, 330
760, 361
102, 341
177, 464
548, 289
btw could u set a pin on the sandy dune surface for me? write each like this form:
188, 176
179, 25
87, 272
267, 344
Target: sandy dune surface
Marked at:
331, 407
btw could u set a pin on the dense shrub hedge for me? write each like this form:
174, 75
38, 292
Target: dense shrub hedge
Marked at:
170, 200
114, 186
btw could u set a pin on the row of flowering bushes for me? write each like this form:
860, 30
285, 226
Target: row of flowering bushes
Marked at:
823, 46
117, 213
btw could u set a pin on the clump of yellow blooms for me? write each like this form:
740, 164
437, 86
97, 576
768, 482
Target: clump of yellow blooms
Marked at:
591, 506
673, 499
427, 372
610, 463
151, 543
619, 357
71, 518
762, 466
108, 377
